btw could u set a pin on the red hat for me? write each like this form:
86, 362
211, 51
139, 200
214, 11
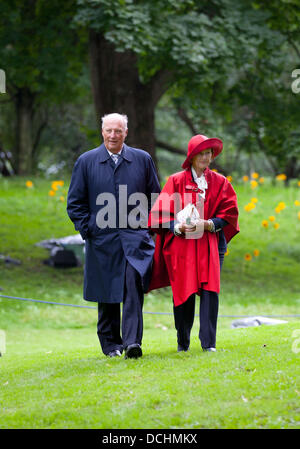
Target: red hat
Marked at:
200, 143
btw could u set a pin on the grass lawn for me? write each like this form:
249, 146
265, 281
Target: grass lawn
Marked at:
53, 374
58, 379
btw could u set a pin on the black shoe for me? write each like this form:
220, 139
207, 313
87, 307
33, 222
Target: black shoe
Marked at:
209, 349
115, 353
133, 351
182, 348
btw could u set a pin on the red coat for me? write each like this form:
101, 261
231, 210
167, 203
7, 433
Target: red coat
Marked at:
189, 265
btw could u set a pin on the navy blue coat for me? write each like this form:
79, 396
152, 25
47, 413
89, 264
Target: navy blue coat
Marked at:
107, 248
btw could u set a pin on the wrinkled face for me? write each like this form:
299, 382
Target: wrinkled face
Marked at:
114, 134
202, 160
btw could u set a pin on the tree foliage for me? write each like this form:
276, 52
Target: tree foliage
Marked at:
38, 49
226, 65
40, 53
198, 39
251, 102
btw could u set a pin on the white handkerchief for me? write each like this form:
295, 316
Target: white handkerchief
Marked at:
188, 213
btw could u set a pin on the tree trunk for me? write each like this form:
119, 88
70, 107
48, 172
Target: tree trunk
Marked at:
24, 141
117, 87
291, 170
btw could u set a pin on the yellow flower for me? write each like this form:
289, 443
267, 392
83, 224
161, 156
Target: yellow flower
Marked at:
245, 178
282, 205
256, 252
265, 223
261, 180
254, 200
276, 225
298, 183
281, 177
272, 218
227, 252
299, 215
229, 178
51, 193
253, 184
215, 170
55, 184
62, 198
297, 203
29, 184
248, 256
249, 207
255, 175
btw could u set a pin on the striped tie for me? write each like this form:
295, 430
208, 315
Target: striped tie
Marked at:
115, 158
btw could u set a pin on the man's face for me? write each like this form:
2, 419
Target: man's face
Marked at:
114, 134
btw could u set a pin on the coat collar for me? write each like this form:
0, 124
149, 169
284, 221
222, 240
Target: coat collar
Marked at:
190, 179
104, 155
190, 183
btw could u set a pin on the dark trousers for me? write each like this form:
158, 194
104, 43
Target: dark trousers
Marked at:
109, 316
208, 314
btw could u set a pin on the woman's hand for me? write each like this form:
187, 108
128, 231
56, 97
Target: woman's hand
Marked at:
186, 228
200, 225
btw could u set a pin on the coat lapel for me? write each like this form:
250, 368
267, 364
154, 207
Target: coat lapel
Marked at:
103, 155
125, 156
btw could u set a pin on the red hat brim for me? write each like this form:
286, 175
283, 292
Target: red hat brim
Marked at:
214, 143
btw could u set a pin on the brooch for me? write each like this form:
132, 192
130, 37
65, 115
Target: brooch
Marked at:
193, 188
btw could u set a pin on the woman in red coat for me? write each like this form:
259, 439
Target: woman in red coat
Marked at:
195, 216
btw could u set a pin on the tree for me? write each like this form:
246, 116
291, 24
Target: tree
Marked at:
39, 52
138, 50
254, 106
264, 98
213, 57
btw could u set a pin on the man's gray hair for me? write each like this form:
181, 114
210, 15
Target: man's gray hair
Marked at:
123, 118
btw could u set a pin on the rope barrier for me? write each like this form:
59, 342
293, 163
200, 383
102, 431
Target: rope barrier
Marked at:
151, 313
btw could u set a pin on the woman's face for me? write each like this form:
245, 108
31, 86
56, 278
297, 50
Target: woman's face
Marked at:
202, 160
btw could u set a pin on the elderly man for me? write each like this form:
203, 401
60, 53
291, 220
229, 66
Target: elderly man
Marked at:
105, 186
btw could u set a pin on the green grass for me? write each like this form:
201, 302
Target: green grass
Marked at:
53, 374
58, 379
